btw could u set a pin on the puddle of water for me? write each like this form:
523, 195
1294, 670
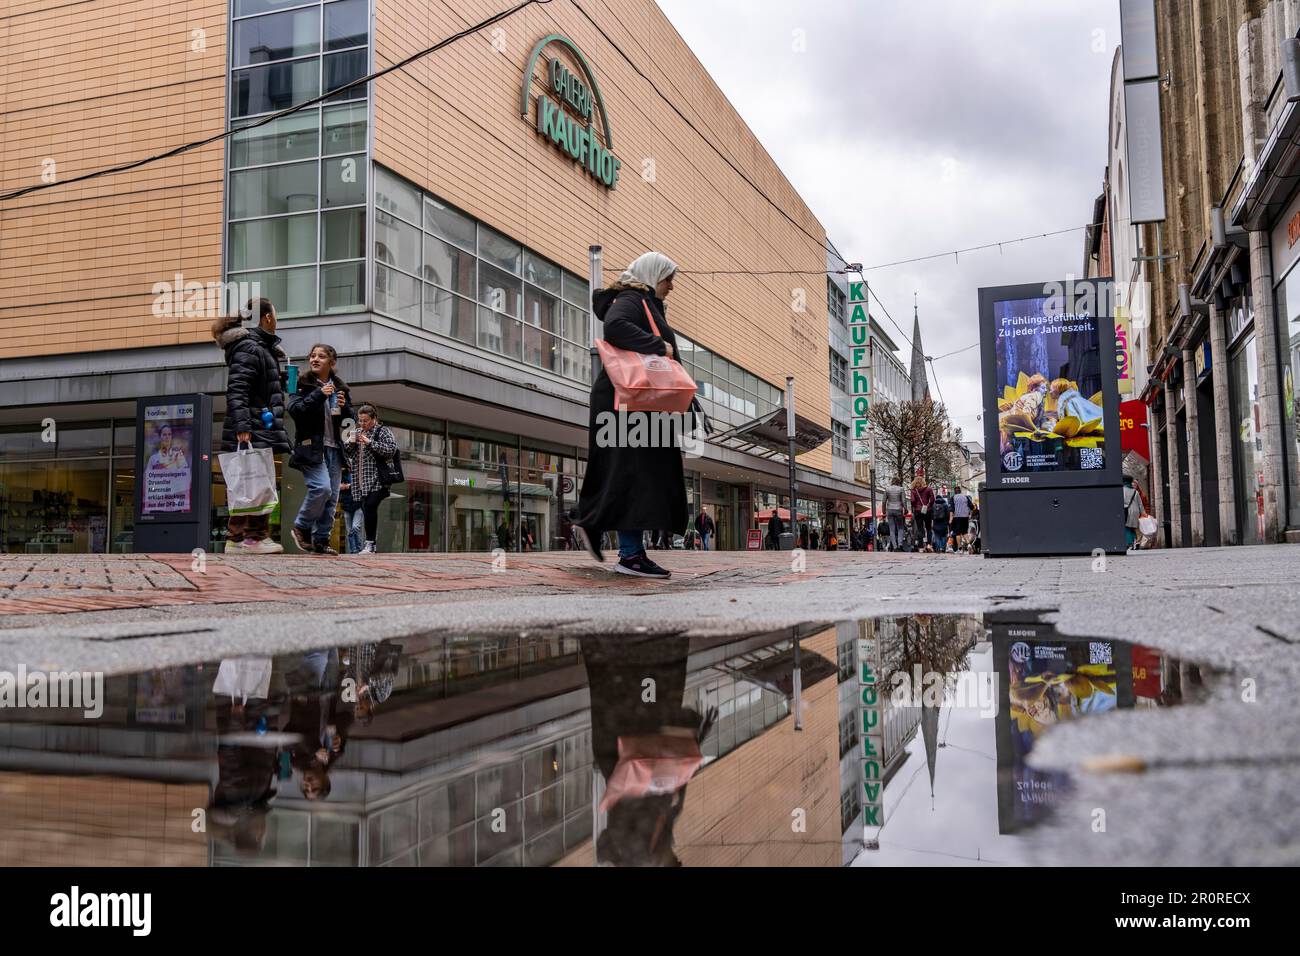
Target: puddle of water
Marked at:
514, 750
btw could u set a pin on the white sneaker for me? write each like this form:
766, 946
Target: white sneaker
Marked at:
368, 549
234, 547
264, 546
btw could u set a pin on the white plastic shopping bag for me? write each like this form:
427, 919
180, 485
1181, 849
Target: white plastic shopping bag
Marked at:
1147, 525
243, 677
250, 481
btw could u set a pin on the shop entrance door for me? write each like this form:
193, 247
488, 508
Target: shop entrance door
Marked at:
1209, 464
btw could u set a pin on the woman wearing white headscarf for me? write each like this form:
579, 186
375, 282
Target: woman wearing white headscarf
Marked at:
630, 489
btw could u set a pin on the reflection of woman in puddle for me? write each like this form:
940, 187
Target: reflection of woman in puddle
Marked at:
372, 671
637, 687
321, 724
248, 707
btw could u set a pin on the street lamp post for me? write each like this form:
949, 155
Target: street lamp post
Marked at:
789, 432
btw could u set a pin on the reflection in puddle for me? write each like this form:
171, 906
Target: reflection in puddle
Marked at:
517, 750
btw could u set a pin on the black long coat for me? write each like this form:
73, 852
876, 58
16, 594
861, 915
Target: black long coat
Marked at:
630, 489
256, 381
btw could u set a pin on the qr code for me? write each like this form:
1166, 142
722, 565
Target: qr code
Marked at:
1092, 458
1098, 653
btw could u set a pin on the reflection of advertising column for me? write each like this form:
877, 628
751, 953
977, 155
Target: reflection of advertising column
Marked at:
1048, 679
871, 708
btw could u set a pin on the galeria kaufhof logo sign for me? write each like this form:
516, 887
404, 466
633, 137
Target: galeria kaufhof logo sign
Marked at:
558, 119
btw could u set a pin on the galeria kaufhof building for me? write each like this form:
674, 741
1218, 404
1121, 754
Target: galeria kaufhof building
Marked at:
434, 226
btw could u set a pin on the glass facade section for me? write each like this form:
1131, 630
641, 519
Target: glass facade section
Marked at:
296, 220
729, 394
444, 271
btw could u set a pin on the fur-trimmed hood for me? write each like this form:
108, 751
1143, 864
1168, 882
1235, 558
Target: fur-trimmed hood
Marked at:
228, 330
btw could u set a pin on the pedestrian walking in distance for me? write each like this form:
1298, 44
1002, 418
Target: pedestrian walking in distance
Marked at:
628, 490
353, 519
961, 510
1132, 510
370, 452
254, 406
894, 510
775, 528
321, 416
922, 506
704, 527
941, 514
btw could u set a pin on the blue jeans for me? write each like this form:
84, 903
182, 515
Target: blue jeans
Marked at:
629, 543
704, 538
940, 537
316, 516
353, 522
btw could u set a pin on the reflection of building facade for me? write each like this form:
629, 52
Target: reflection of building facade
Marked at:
442, 250
481, 756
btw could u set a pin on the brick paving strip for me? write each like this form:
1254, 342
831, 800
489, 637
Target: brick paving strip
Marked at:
53, 584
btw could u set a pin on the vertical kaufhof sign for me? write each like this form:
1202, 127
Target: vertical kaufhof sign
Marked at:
860, 369
567, 120
871, 715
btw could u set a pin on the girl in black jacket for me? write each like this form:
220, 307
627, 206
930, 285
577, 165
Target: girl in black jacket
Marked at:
321, 414
631, 489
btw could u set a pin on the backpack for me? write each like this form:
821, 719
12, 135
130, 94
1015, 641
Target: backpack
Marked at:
940, 509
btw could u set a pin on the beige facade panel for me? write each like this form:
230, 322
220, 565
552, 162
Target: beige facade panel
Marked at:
48, 820
451, 124
82, 91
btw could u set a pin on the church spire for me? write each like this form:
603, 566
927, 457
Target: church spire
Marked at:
920, 383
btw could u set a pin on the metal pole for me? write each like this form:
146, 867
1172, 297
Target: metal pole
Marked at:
595, 270
794, 486
798, 689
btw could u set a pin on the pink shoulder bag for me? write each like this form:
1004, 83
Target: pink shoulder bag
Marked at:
646, 383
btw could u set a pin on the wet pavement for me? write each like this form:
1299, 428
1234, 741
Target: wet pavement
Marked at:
1210, 782
898, 740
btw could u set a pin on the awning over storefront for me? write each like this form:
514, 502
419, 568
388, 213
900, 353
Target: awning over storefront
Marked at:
1276, 174
766, 436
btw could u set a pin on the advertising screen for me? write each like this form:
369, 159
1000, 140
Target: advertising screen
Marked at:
1050, 414
1050, 385
168, 459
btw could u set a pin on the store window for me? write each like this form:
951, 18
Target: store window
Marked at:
54, 507
295, 219
839, 371
1288, 305
840, 440
1248, 457
836, 301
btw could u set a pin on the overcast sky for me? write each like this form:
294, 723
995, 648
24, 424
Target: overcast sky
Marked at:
911, 133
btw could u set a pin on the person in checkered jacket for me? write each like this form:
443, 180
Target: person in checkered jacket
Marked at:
371, 442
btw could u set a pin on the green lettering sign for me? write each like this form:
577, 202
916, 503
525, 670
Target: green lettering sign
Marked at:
578, 140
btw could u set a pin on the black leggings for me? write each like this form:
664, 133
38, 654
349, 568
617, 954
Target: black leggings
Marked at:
370, 510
